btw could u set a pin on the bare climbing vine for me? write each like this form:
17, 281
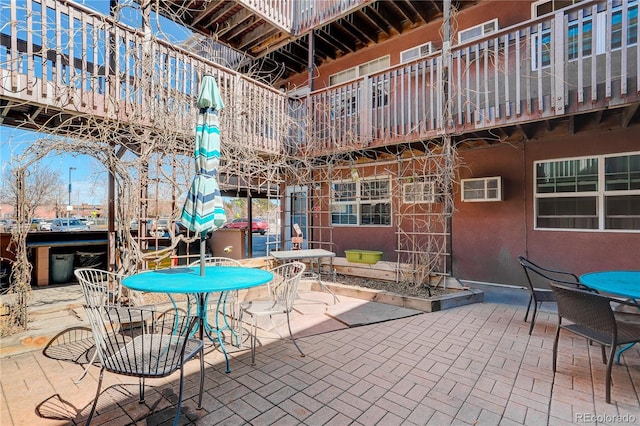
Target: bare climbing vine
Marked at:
145, 142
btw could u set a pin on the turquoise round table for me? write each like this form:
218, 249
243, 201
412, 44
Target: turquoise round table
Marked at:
188, 280
619, 283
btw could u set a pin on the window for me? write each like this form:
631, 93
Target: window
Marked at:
590, 41
543, 7
541, 45
415, 53
380, 93
345, 102
478, 31
360, 70
374, 66
482, 189
593, 193
616, 24
342, 76
574, 36
361, 202
418, 192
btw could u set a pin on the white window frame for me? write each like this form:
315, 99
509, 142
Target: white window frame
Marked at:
486, 195
334, 79
426, 46
536, 4
600, 193
483, 31
358, 201
419, 192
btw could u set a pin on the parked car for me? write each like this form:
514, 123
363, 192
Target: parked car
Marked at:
258, 225
44, 225
159, 227
134, 226
65, 225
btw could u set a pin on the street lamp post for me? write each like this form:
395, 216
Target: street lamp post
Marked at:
69, 205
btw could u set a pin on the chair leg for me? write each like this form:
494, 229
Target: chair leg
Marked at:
177, 417
608, 378
533, 317
201, 378
254, 330
292, 338
141, 385
86, 369
555, 348
240, 327
95, 400
526, 315
604, 354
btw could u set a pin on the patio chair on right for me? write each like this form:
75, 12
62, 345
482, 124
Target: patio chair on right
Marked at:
538, 295
590, 315
282, 292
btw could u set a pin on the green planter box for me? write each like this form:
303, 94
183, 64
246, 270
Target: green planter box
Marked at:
363, 256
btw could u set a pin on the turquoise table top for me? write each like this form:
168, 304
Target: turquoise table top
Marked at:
189, 280
622, 283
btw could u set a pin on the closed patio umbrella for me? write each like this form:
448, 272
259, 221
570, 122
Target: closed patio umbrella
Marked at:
203, 209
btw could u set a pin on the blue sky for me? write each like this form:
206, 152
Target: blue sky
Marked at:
87, 181
89, 178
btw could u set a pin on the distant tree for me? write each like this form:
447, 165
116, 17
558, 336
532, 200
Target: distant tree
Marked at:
43, 186
237, 208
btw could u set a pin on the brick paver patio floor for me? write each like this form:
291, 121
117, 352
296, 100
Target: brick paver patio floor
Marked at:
472, 365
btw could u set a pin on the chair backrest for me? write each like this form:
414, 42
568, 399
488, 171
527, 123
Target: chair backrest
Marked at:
100, 288
539, 277
284, 286
587, 309
217, 261
152, 351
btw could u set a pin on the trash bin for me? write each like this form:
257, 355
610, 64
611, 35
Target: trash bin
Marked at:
61, 267
86, 259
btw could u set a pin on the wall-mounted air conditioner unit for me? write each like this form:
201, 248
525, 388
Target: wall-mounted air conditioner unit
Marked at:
482, 189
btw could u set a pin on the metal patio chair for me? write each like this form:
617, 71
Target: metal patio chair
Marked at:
539, 295
282, 292
154, 351
590, 315
104, 289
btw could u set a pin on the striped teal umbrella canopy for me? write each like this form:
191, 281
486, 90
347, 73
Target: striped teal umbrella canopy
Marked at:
203, 209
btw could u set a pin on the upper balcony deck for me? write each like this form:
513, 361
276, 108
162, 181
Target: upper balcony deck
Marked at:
61, 59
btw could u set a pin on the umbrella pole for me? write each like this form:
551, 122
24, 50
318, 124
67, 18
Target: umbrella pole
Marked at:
203, 243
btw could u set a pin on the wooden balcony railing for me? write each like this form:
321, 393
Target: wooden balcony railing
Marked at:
61, 56
299, 16
578, 59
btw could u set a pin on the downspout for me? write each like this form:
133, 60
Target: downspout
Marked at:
111, 191
312, 192
448, 149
